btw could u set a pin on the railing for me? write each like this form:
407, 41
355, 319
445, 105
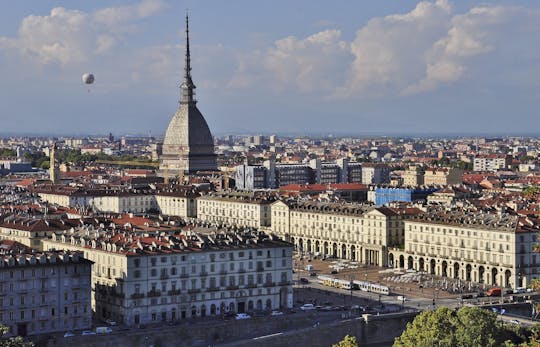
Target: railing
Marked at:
251, 285
174, 292
212, 289
204, 273
164, 276
269, 284
154, 293
232, 287
184, 275
137, 296
260, 269
193, 291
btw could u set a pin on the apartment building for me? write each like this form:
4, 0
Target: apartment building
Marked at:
350, 231
43, 292
443, 176
30, 231
491, 162
236, 208
149, 277
482, 247
413, 176
181, 203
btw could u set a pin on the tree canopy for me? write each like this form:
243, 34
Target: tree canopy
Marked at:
466, 327
348, 341
12, 341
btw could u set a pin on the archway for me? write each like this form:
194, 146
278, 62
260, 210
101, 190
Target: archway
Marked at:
444, 269
432, 266
213, 309
193, 311
203, 310
231, 307
421, 264
401, 261
300, 245
353, 253
222, 307
481, 272
317, 247
259, 305
390, 259
507, 276
334, 250
250, 305
494, 273
468, 270
343, 251
268, 304
308, 249
326, 252
294, 244
456, 270
409, 263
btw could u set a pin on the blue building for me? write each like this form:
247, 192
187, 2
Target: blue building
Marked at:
384, 196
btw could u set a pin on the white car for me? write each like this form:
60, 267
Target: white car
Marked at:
276, 313
242, 316
69, 334
307, 307
88, 332
110, 322
514, 321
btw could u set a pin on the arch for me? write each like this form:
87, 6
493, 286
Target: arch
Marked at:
343, 251
308, 249
390, 259
468, 271
193, 311
317, 246
353, 253
259, 305
481, 273
268, 305
334, 250
231, 307
432, 264
294, 244
213, 309
250, 305
410, 263
456, 270
494, 273
203, 310
325, 249
421, 264
444, 272
300, 245
401, 261
507, 276
222, 307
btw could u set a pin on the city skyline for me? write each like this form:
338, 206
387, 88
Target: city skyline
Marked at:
350, 69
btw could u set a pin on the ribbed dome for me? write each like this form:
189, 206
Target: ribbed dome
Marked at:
188, 132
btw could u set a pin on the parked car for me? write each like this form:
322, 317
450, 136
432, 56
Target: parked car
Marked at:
103, 330
276, 313
307, 307
313, 274
334, 272
304, 280
88, 332
242, 316
110, 322
69, 334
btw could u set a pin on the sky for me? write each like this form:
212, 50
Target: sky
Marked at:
379, 67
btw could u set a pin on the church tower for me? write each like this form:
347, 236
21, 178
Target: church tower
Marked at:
188, 146
53, 173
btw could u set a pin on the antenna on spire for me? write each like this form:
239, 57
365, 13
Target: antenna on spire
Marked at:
187, 87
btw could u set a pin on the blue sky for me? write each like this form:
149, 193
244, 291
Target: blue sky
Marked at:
342, 67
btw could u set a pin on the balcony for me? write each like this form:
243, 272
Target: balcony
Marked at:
164, 276
260, 268
269, 284
241, 271
137, 296
223, 272
232, 287
203, 274
251, 285
193, 291
212, 289
174, 292
184, 275
285, 283
154, 293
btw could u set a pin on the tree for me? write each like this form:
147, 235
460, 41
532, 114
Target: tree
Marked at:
466, 327
12, 341
348, 341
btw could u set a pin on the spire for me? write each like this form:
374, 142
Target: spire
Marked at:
187, 88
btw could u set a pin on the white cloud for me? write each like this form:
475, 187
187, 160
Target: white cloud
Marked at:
72, 37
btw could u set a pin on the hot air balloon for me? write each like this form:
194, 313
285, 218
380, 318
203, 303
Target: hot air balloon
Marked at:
88, 78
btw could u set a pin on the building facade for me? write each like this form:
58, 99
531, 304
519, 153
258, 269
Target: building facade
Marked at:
44, 292
142, 278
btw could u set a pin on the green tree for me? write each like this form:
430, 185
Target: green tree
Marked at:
12, 341
348, 341
466, 327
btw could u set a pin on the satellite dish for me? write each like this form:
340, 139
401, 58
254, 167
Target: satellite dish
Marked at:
88, 78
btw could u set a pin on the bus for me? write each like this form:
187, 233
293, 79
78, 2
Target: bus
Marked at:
372, 287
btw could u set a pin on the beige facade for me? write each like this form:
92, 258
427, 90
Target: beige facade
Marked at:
43, 293
486, 249
443, 176
141, 279
349, 231
413, 176
235, 209
177, 204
